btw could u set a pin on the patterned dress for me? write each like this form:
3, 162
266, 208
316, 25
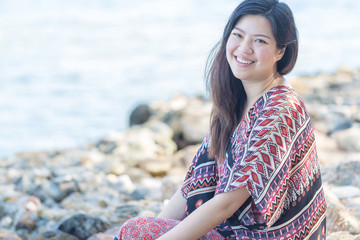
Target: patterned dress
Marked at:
272, 153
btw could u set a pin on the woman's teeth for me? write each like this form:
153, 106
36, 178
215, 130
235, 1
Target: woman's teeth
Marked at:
243, 61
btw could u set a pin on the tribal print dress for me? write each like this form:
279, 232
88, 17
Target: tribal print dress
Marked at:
272, 153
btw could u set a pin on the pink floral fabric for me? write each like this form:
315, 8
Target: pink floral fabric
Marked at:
149, 228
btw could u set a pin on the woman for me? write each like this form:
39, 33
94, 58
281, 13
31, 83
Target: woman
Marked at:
256, 175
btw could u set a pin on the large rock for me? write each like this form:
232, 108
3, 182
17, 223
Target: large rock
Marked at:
140, 114
83, 226
188, 118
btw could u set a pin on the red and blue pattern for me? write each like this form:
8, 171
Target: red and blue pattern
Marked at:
272, 153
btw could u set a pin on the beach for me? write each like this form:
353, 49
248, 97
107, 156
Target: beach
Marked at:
89, 191
103, 107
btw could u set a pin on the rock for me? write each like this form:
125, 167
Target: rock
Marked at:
340, 236
190, 124
83, 226
54, 235
26, 223
157, 167
138, 146
353, 205
113, 165
125, 212
140, 114
92, 158
7, 235
163, 136
108, 235
347, 173
125, 184
137, 174
106, 146
170, 184
185, 156
343, 192
348, 139
338, 218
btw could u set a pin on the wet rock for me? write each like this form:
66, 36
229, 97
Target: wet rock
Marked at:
83, 226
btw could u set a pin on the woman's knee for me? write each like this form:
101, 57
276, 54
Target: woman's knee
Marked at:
132, 226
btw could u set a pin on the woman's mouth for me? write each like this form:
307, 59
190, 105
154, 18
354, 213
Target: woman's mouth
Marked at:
243, 61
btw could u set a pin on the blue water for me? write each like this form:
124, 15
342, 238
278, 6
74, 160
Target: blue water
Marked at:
71, 71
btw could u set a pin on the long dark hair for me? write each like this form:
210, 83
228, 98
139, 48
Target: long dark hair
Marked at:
227, 92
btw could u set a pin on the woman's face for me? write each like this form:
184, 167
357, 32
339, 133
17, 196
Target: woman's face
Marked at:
251, 49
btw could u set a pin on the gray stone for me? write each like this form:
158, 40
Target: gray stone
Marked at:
140, 114
338, 218
348, 139
83, 226
126, 211
54, 235
347, 173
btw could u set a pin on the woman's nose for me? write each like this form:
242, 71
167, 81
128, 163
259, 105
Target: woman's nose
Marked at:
245, 47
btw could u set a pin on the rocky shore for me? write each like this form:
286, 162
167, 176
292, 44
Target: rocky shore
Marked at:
88, 192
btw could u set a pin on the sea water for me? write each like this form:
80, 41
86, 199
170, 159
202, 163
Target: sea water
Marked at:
71, 71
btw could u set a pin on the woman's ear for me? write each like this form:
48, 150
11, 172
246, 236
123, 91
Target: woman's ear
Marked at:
280, 53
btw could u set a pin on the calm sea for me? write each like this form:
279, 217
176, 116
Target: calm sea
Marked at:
71, 71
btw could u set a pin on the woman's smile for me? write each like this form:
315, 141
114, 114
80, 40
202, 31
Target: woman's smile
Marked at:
243, 60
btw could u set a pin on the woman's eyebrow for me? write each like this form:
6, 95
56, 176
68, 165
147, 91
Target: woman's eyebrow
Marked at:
257, 35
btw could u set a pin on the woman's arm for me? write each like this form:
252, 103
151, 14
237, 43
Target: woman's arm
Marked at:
175, 209
208, 216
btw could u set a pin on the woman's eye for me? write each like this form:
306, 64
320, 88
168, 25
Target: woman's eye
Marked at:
237, 35
260, 41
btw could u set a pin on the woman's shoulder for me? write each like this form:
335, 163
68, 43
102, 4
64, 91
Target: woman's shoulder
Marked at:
283, 99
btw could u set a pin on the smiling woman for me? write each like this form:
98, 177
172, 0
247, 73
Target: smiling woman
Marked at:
251, 49
256, 175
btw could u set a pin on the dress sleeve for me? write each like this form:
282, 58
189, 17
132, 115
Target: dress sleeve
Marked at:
200, 157
263, 165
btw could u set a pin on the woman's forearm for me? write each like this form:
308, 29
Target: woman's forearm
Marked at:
208, 216
175, 209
